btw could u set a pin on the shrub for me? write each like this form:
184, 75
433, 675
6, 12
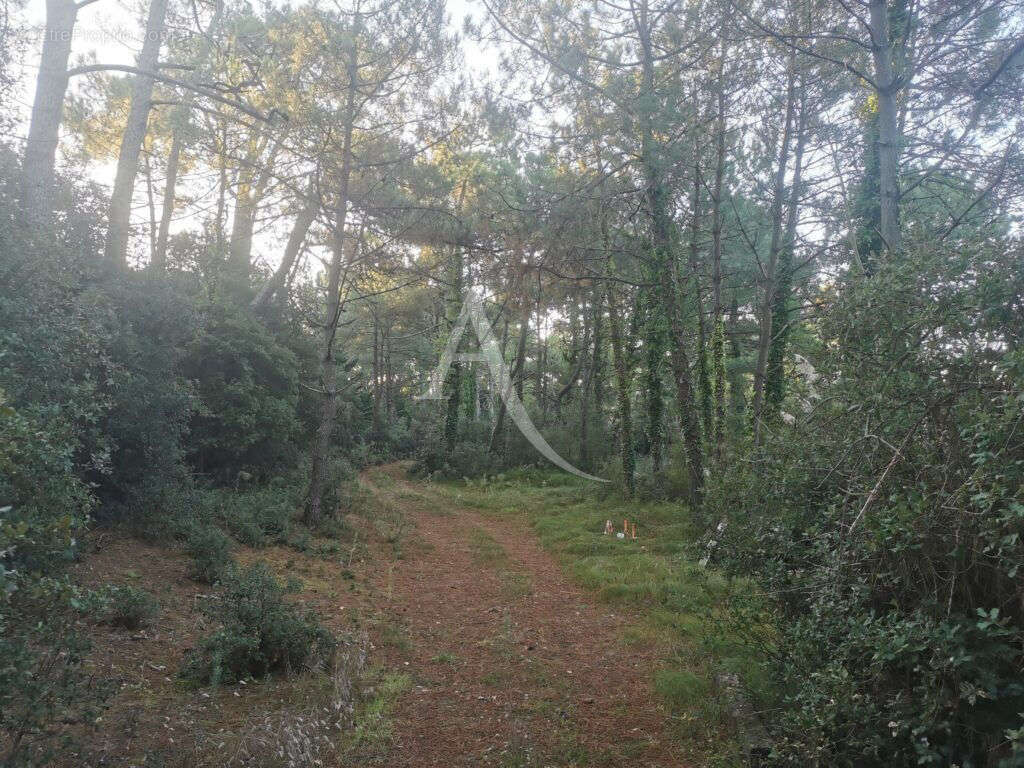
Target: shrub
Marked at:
128, 607
262, 633
247, 385
43, 509
255, 517
467, 459
150, 317
210, 550
886, 523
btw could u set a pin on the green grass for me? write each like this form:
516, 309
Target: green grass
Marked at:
373, 733
681, 689
681, 608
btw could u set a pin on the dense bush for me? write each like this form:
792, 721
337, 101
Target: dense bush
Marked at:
151, 318
97, 352
256, 517
54, 367
43, 509
261, 632
247, 388
888, 524
128, 607
116, 387
101, 373
210, 550
469, 458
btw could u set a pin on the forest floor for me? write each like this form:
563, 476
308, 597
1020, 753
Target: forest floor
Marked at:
515, 664
503, 630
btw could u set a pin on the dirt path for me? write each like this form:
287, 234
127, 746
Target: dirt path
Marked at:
512, 664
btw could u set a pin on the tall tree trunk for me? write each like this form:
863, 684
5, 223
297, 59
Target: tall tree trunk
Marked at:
542, 378
775, 383
737, 395
703, 372
588, 389
244, 218
249, 193
38, 175
167, 205
328, 365
377, 382
453, 381
120, 212
174, 155
518, 371
147, 170
717, 326
889, 138
664, 260
597, 360
654, 349
303, 221
389, 380
222, 187
769, 270
623, 383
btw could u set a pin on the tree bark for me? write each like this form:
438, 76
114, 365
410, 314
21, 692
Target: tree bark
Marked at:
167, 205
119, 216
328, 365
174, 155
597, 361
248, 194
661, 236
588, 389
774, 375
377, 389
717, 328
623, 382
222, 187
654, 353
453, 381
389, 380
737, 395
889, 139
147, 170
38, 175
703, 373
303, 221
769, 270
517, 377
